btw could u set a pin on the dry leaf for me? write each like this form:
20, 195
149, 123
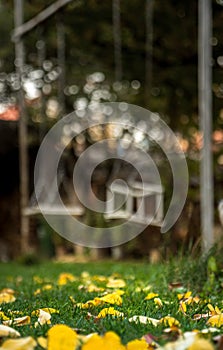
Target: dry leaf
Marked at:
145, 320
42, 342
216, 320
19, 321
27, 343
110, 311
169, 321
6, 298
201, 344
44, 318
6, 331
116, 283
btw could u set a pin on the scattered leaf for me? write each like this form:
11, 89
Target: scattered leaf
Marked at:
27, 343
137, 345
19, 321
145, 320
61, 337
110, 311
151, 296
201, 344
216, 320
6, 297
6, 331
116, 283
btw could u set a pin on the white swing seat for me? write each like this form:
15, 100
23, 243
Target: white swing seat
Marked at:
54, 210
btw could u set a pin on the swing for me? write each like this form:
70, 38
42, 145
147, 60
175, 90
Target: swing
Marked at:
47, 194
140, 202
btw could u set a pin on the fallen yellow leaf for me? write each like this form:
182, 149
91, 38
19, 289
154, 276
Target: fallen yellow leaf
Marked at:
151, 296
184, 295
6, 331
3, 316
158, 302
137, 345
110, 341
201, 344
19, 321
27, 343
110, 311
6, 297
145, 320
7, 290
113, 298
216, 320
64, 278
169, 321
49, 310
44, 318
44, 288
61, 337
116, 283
42, 342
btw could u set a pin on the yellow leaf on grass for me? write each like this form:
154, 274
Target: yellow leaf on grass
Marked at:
169, 321
201, 344
137, 345
158, 302
90, 303
65, 277
182, 343
183, 306
113, 298
7, 290
3, 316
214, 310
50, 310
110, 311
184, 295
6, 331
93, 288
6, 297
110, 341
99, 278
44, 318
145, 320
116, 283
61, 337
151, 296
19, 321
44, 288
215, 321
27, 343
42, 342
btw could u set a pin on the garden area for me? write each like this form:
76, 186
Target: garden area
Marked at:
124, 305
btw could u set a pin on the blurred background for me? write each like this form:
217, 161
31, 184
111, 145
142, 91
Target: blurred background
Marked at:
143, 52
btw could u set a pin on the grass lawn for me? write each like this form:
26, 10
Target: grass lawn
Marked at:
77, 293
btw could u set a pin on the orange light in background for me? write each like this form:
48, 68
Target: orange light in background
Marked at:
10, 113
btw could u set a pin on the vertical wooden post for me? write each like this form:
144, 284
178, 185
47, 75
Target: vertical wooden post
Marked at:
23, 156
117, 39
41, 54
148, 50
205, 114
61, 62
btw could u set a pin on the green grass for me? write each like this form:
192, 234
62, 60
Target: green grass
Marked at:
22, 279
